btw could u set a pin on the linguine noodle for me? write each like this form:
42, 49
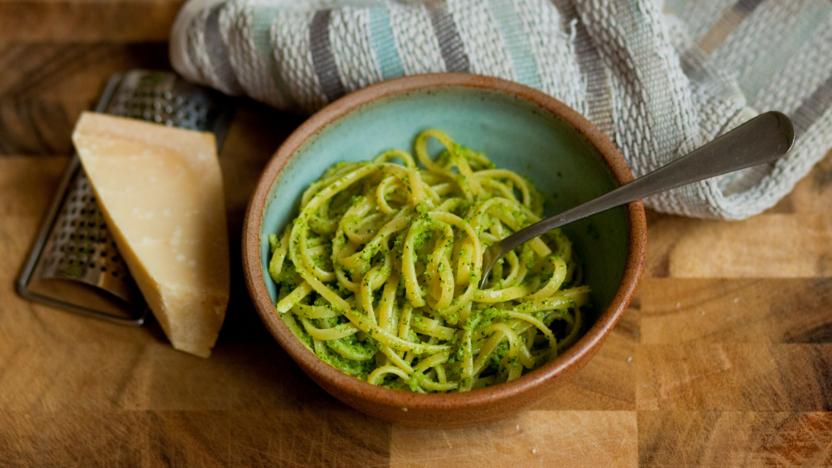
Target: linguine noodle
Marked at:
378, 275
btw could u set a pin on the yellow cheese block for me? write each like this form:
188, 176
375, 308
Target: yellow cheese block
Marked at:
160, 189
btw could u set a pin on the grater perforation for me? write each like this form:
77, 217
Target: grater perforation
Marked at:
80, 248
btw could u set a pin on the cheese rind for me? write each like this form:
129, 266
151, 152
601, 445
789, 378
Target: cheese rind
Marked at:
160, 190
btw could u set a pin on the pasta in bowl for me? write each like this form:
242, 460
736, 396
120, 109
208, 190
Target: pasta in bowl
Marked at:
379, 273
362, 243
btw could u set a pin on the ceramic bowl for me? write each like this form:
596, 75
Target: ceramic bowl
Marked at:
519, 128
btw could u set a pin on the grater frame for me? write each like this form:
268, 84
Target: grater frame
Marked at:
110, 98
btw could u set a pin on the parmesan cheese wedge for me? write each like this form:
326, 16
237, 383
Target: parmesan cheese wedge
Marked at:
160, 190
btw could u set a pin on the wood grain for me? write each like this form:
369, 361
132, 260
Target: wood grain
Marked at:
724, 358
785, 310
534, 438
306, 437
750, 438
87, 20
769, 245
735, 377
46, 85
27, 187
700, 370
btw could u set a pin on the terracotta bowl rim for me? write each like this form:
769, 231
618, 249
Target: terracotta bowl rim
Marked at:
355, 389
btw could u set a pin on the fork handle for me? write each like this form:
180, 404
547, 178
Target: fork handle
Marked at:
760, 140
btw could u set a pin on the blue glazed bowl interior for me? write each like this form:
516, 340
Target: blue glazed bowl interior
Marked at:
515, 133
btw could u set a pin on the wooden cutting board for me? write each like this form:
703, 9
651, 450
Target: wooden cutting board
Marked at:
725, 356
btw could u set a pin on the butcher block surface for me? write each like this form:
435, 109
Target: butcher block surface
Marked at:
723, 358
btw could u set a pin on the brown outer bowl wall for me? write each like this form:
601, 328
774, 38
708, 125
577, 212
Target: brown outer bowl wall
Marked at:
453, 409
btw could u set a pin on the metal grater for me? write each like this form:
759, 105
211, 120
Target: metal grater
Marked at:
74, 263
80, 248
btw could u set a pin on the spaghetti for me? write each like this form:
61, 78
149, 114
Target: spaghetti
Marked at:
378, 275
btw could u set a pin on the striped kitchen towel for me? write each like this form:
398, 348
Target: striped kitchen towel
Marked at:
659, 79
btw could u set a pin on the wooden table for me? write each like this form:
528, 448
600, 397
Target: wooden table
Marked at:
725, 356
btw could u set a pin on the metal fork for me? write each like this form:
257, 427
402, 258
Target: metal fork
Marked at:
761, 140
